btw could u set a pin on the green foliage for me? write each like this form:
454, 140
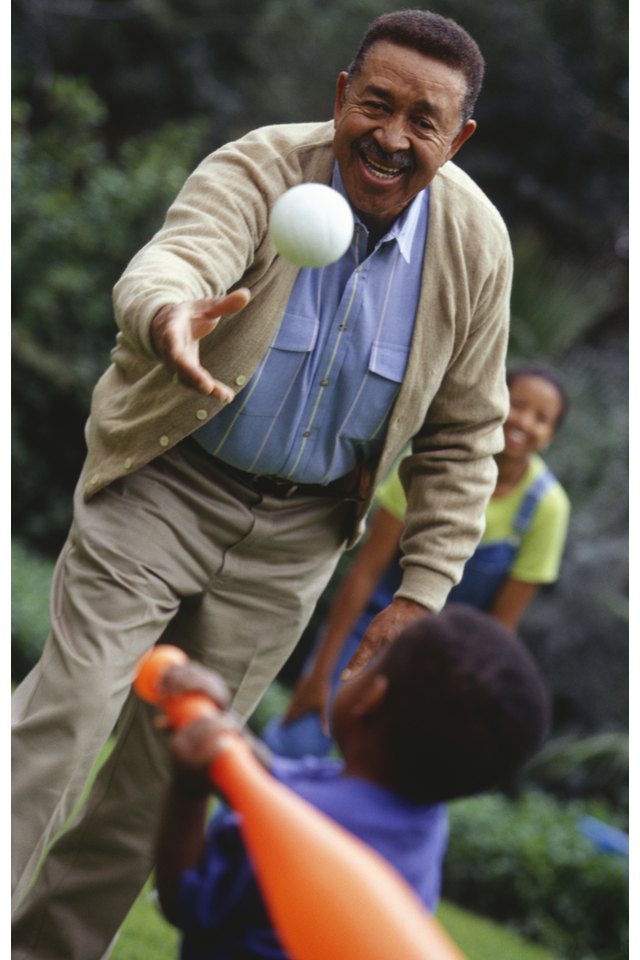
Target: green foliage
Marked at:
273, 704
551, 147
578, 628
554, 304
30, 584
78, 215
585, 767
525, 863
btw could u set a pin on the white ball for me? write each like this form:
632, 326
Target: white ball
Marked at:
311, 225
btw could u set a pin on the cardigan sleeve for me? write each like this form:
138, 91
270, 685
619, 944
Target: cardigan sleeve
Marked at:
215, 232
208, 239
451, 472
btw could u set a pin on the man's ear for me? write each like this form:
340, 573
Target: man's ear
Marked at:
373, 696
468, 129
341, 94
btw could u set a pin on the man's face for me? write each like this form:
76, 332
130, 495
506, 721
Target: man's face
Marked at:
396, 124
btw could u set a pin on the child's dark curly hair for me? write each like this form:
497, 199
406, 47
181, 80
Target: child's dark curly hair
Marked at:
465, 707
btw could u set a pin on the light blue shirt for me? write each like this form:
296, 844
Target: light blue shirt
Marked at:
319, 402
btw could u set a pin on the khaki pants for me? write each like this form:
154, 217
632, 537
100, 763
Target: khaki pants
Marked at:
178, 552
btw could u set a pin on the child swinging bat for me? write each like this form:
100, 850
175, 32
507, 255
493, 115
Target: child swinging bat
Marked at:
453, 707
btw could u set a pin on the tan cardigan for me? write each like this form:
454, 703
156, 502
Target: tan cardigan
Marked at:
453, 399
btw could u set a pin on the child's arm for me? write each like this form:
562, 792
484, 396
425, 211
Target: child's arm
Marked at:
375, 555
180, 840
511, 601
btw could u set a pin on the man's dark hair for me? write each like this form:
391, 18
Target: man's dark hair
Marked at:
465, 708
543, 373
434, 36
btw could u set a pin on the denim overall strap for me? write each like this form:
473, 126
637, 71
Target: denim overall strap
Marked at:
531, 500
487, 568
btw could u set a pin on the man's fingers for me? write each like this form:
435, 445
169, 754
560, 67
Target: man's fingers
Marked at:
216, 307
176, 331
382, 630
221, 391
366, 650
198, 378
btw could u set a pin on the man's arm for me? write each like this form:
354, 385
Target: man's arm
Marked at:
450, 473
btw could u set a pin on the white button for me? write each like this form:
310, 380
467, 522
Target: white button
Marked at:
201, 414
128, 463
240, 380
164, 440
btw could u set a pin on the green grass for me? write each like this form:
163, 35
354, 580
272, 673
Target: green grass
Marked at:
481, 939
145, 934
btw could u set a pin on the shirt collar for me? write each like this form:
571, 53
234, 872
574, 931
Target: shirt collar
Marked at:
402, 230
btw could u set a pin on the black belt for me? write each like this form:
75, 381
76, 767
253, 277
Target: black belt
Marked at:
344, 488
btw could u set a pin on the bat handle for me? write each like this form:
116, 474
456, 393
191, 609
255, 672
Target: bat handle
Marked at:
182, 709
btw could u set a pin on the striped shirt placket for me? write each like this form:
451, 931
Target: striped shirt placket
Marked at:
342, 327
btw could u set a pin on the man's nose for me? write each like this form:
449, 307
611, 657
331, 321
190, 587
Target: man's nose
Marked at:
392, 136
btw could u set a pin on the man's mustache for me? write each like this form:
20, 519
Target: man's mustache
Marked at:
402, 159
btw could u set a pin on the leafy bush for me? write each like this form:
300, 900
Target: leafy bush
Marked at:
80, 209
30, 585
595, 766
525, 863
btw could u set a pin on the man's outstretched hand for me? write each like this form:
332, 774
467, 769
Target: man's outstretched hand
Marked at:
383, 630
176, 331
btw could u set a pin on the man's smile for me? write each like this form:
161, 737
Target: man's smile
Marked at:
383, 166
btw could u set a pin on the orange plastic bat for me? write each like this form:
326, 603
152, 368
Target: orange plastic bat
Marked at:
330, 896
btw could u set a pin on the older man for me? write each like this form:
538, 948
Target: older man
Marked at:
236, 440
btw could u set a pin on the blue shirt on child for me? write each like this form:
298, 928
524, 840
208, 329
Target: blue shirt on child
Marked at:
223, 916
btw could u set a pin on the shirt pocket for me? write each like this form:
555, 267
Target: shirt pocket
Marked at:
283, 362
378, 390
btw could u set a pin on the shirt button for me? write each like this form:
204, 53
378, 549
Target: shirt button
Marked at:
323, 383
164, 440
307, 433
342, 326
128, 463
201, 414
94, 479
240, 380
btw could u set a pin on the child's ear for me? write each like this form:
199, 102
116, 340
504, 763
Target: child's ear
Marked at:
372, 697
